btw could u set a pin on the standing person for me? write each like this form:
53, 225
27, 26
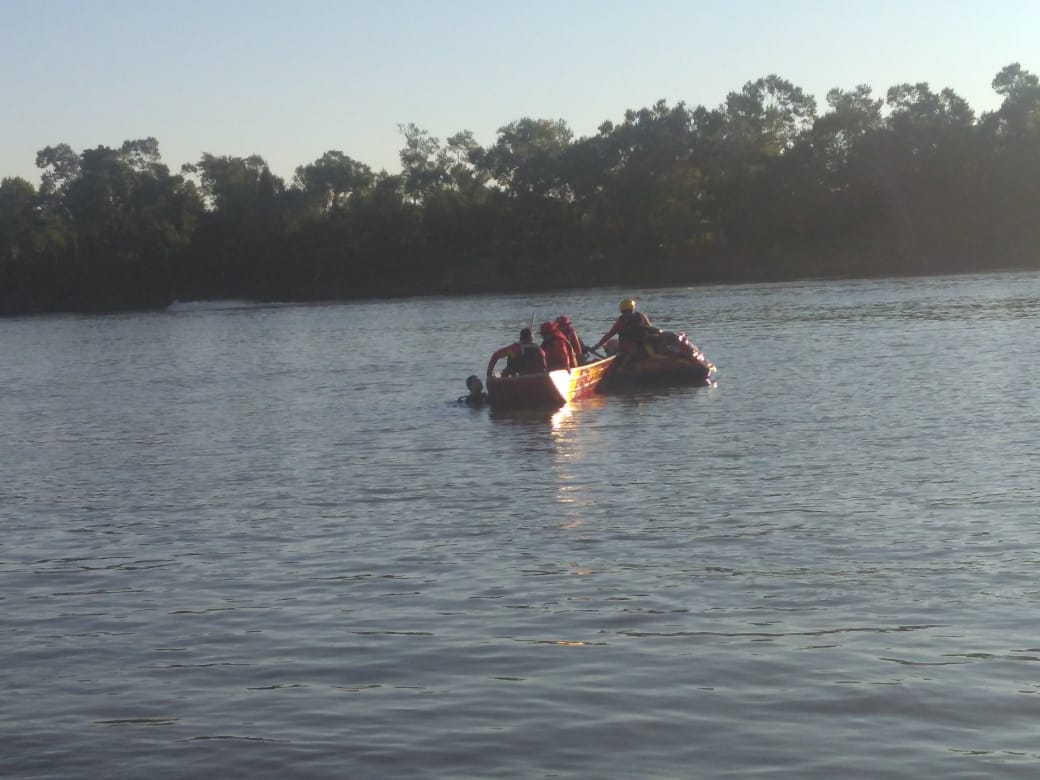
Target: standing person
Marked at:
558, 352
563, 322
522, 357
631, 328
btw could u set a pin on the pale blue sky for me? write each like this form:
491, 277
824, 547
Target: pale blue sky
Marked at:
292, 79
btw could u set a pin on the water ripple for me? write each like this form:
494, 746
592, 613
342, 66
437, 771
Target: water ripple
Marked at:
261, 542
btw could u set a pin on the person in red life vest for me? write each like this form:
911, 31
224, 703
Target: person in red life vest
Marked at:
632, 329
563, 322
558, 352
522, 357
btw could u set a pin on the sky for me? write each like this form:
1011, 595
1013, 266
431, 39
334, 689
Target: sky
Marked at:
292, 79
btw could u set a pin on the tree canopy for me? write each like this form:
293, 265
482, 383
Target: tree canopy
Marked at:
762, 186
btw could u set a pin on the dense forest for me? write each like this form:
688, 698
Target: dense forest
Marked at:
763, 187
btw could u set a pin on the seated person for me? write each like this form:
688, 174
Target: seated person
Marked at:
632, 329
563, 323
558, 352
522, 357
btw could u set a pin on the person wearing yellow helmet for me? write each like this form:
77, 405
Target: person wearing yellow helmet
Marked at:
631, 328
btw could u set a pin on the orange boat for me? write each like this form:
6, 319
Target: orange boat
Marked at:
549, 390
669, 358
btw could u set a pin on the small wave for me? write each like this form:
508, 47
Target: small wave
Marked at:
181, 307
138, 722
236, 737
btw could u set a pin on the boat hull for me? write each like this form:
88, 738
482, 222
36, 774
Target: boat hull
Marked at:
661, 371
670, 359
550, 390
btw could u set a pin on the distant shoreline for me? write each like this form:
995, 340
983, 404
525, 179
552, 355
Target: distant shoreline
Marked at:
11, 306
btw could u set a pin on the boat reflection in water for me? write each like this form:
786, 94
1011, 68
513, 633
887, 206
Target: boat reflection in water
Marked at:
561, 416
557, 419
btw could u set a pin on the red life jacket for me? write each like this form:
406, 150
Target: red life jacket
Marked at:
557, 348
570, 334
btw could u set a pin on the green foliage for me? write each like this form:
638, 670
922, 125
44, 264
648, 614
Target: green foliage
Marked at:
101, 232
18, 219
1018, 118
853, 116
331, 180
768, 115
760, 187
525, 160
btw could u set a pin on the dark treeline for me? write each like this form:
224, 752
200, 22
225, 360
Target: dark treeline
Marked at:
763, 187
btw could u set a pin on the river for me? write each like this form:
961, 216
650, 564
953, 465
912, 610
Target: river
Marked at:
266, 541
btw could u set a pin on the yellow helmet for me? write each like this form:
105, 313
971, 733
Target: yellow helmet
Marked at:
627, 305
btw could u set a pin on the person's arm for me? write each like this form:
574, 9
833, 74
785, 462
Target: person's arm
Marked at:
498, 355
575, 341
612, 332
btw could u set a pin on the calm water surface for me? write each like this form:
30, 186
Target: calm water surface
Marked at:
266, 542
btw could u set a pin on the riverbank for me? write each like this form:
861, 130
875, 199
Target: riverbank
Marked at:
519, 274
